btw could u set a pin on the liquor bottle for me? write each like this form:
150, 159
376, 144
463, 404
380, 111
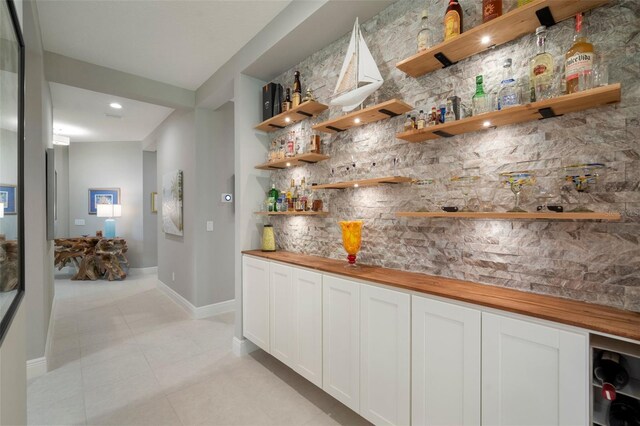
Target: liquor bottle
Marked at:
303, 197
423, 35
579, 58
624, 411
315, 146
449, 115
414, 123
453, 20
408, 123
508, 95
295, 198
286, 105
291, 145
290, 196
297, 90
433, 117
273, 196
442, 110
491, 9
612, 375
523, 2
480, 100
541, 69
422, 120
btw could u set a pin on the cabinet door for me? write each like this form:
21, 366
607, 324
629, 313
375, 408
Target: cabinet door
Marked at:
445, 363
341, 340
255, 301
385, 355
282, 301
307, 308
532, 374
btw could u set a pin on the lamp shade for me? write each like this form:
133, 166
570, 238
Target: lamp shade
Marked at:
109, 210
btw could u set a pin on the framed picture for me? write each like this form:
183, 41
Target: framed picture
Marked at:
12, 254
172, 203
8, 198
102, 196
154, 202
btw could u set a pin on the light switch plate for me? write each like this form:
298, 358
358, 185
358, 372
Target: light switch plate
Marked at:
227, 198
210, 226
79, 222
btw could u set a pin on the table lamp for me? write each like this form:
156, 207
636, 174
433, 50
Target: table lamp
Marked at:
109, 211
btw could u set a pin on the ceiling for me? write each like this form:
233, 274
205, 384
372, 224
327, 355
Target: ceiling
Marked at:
81, 115
179, 42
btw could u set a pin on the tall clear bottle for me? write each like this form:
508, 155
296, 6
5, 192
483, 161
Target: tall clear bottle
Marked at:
579, 58
424, 39
541, 74
480, 101
508, 95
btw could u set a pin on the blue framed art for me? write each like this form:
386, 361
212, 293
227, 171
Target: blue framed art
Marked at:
8, 197
102, 196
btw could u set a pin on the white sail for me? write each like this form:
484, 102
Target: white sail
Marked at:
359, 76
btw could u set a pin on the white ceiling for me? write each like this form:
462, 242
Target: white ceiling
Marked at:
81, 115
179, 42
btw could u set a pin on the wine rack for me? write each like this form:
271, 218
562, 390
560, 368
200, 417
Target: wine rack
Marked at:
630, 361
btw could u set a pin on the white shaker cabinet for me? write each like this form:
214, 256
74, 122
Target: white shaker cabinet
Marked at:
532, 374
341, 340
385, 358
446, 343
255, 301
307, 320
282, 320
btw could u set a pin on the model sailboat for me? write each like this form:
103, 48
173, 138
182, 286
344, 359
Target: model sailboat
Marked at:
359, 76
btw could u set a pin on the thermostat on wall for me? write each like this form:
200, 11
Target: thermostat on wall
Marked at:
227, 198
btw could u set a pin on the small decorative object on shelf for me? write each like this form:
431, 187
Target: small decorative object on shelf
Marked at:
578, 59
465, 184
268, 238
351, 239
516, 182
583, 177
453, 20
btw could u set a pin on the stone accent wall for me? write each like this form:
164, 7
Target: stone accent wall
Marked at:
597, 262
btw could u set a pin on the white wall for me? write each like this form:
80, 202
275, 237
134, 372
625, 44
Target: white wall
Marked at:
108, 165
13, 382
150, 220
61, 155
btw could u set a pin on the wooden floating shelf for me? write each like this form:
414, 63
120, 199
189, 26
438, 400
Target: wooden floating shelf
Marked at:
549, 108
309, 158
371, 114
514, 216
510, 26
295, 115
363, 183
306, 213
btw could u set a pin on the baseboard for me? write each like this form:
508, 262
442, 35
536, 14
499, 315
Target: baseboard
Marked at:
143, 271
50, 331
194, 311
243, 346
36, 367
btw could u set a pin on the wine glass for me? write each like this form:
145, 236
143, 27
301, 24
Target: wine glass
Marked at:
465, 184
517, 181
351, 240
426, 185
583, 177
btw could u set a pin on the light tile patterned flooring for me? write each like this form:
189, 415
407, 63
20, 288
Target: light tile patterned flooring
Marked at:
125, 354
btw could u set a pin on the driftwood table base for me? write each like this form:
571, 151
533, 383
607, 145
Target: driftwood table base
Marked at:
93, 257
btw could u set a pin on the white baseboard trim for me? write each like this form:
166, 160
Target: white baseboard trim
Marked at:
197, 312
36, 367
243, 346
50, 330
143, 271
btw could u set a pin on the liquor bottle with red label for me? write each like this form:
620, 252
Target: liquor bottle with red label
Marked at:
579, 58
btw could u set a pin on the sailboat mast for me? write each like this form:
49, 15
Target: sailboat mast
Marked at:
357, 38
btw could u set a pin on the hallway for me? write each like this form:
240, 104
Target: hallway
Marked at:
124, 353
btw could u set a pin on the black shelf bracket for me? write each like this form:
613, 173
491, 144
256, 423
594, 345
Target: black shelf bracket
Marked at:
446, 62
545, 17
306, 114
443, 134
276, 126
335, 129
389, 113
307, 161
547, 113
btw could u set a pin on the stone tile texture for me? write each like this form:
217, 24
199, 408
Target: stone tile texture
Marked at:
589, 261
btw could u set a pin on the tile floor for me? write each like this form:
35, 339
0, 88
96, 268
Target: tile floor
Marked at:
125, 354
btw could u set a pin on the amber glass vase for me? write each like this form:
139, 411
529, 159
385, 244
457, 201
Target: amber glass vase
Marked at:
351, 239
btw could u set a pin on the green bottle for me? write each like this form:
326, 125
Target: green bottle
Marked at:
480, 100
273, 195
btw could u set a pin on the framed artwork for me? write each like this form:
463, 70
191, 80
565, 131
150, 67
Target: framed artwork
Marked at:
102, 196
154, 202
8, 198
172, 203
12, 254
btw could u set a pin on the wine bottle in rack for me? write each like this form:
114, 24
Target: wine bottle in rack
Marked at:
624, 411
609, 370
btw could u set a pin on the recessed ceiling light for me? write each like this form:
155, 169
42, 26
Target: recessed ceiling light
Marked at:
115, 105
486, 124
61, 140
485, 39
357, 120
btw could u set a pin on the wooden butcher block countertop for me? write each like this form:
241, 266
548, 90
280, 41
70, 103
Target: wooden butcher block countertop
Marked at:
598, 318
